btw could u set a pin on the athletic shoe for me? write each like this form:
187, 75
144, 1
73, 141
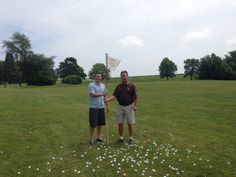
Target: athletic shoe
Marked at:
99, 140
120, 141
131, 141
91, 142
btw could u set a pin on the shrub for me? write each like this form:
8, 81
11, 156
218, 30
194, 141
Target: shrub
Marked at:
72, 79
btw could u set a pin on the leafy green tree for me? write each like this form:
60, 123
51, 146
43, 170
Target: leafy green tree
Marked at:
19, 74
191, 67
212, 67
39, 70
20, 47
167, 68
99, 68
230, 60
9, 70
70, 67
1, 71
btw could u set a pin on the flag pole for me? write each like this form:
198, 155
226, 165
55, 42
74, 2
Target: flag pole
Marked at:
107, 128
111, 63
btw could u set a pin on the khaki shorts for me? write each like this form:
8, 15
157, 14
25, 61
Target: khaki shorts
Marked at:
125, 112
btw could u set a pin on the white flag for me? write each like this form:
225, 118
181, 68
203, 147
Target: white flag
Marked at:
112, 63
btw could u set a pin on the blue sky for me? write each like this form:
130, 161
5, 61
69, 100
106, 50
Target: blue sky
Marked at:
139, 32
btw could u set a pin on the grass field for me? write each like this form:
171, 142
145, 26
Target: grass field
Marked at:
183, 128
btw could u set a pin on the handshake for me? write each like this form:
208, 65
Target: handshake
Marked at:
106, 100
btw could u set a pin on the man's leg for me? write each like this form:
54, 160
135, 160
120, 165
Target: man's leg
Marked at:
101, 122
131, 139
99, 128
130, 128
120, 121
120, 129
130, 122
92, 124
91, 133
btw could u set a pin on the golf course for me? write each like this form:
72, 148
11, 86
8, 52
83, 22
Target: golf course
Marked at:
183, 128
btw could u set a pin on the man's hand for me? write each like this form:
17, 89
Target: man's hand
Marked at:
97, 94
107, 108
135, 108
106, 101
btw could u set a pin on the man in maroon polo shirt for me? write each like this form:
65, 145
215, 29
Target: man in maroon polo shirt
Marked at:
126, 95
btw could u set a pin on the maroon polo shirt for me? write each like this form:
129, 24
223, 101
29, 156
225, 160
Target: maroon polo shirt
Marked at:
125, 93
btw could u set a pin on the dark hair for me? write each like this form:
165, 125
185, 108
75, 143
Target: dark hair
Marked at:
123, 72
97, 73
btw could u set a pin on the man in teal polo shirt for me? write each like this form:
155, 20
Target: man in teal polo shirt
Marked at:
97, 92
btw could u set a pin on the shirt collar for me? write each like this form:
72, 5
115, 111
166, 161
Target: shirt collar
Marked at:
97, 83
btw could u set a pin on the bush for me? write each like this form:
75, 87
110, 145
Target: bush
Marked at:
72, 79
38, 70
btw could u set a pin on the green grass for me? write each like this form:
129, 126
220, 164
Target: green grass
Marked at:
183, 128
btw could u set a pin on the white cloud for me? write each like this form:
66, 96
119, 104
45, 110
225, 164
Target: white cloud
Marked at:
185, 9
131, 41
196, 35
88, 29
231, 41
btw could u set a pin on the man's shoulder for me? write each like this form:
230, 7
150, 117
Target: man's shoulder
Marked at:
94, 85
130, 84
91, 84
118, 85
102, 84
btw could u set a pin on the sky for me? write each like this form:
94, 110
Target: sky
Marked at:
138, 32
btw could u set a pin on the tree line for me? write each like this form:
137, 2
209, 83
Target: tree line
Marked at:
208, 67
22, 65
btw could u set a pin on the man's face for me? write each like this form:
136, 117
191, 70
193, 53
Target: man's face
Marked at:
124, 77
98, 77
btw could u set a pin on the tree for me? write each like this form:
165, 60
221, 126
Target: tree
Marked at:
167, 68
19, 74
39, 70
230, 60
9, 70
212, 67
99, 68
19, 46
1, 71
70, 67
191, 67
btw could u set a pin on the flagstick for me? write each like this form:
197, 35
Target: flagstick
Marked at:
107, 128
111, 63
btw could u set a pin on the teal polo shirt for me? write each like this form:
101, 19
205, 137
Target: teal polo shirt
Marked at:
96, 102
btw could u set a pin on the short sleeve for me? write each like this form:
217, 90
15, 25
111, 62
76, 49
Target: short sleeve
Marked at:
91, 88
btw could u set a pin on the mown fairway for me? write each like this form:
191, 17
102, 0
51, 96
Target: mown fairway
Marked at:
183, 128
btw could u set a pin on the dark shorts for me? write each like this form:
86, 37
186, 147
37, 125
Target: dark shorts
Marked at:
96, 117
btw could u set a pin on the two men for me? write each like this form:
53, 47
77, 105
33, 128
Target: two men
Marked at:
126, 95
